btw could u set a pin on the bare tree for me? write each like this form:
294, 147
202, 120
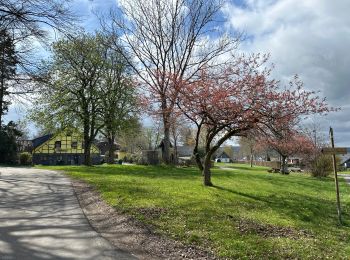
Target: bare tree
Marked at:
8, 63
170, 41
247, 146
153, 135
31, 18
28, 22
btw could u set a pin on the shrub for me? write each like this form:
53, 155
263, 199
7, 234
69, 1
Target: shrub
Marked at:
321, 166
8, 146
25, 158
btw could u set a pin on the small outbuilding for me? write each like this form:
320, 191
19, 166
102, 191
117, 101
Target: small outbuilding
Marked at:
345, 162
223, 157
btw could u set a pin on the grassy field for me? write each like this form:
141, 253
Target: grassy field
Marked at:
248, 214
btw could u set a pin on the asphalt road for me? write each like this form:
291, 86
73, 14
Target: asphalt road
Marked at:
40, 218
346, 177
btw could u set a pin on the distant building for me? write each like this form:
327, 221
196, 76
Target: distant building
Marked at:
161, 149
185, 151
104, 147
24, 146
294, 161
345, 161
223, 157
228, 154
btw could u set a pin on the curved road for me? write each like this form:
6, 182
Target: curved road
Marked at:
346, 177
40, 218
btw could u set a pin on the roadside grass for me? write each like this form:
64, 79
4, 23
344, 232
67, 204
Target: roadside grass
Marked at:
249, 213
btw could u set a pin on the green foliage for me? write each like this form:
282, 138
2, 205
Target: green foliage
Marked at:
250, 214
88, 87
25, 158
70, 94
7, 148
8, 144
8, 62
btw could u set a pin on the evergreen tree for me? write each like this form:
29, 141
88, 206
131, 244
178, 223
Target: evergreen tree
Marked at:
8, 62
8, 143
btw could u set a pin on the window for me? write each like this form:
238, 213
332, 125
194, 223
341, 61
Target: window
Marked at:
74, 145
58, 145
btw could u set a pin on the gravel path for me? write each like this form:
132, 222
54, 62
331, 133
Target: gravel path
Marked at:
227, 168
128, 234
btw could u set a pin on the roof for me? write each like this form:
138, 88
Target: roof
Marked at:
40, 140
161, 145
223, 155
235, 149
185, 150
104, 146
344, 159
37, 142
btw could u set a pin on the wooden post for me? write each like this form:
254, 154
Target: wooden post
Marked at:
335, 176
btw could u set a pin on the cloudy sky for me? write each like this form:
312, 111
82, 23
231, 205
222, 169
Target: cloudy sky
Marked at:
310, 38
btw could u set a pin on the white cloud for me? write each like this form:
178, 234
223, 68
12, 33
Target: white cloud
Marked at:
310, 38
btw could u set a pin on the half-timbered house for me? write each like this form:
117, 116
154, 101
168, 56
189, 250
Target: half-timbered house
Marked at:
62, 149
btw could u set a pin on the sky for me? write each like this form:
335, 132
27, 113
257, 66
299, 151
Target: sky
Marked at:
310, 38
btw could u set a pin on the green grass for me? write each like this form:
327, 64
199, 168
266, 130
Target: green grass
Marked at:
244, 216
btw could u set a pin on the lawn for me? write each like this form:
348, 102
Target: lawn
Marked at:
248, 214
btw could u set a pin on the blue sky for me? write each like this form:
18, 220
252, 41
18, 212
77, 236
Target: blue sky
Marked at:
310, 38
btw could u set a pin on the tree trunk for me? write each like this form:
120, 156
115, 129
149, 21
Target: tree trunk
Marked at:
284, 168
87, 144
111, 150
2, 87
251, 159
197, 157
87, 155
1, 104
166, 142
206, 171
175, 152
268, 157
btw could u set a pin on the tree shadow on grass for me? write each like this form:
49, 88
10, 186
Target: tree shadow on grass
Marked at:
279, 180
286, 201
139, 171
309, 209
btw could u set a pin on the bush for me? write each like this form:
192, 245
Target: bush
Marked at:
8, 145
25, 158
321, 166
